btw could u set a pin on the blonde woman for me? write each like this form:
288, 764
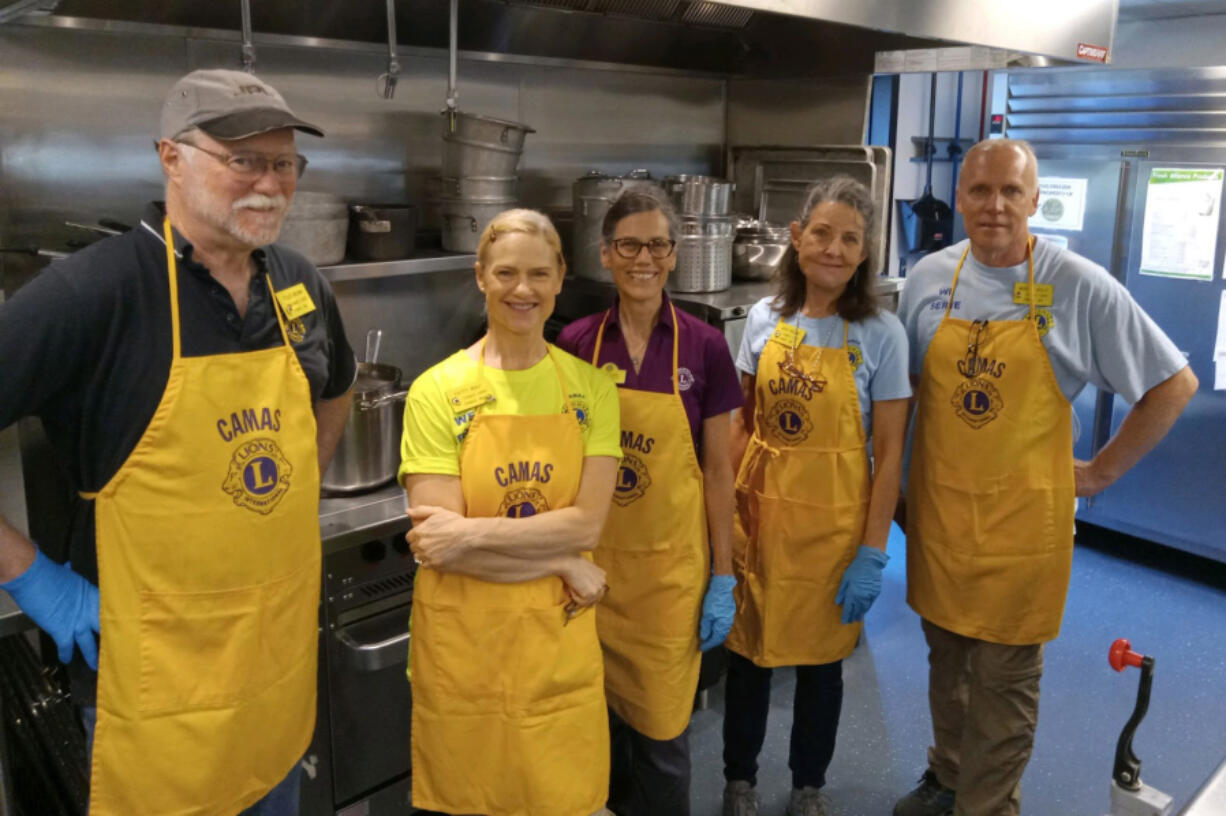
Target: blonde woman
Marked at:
509, 453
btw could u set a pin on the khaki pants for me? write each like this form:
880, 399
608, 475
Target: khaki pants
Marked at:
984, 699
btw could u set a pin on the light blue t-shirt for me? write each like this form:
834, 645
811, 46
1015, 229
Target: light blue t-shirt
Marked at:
1094, 333
880, 340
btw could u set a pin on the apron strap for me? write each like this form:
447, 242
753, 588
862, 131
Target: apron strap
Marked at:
276, 308
173, 271
676, 344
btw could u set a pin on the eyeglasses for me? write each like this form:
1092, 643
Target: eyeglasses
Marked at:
629, 248
789, 368
976, 336
251, 166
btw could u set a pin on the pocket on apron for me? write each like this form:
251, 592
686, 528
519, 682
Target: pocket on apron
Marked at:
289, 634
460, 654
197, 650
556, 667
806, 542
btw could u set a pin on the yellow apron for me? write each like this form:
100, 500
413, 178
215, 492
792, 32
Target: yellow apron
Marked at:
654, 548
509, 711
802, 500
990, 493
208, 566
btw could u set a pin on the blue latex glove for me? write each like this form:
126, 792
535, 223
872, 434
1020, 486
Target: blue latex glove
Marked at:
718, 607
861, 583
62, 603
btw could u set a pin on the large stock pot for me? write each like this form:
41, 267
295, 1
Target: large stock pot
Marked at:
368, 453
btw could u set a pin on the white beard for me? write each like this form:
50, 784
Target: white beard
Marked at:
209, 209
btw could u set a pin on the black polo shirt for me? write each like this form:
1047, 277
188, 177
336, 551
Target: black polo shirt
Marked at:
86, 347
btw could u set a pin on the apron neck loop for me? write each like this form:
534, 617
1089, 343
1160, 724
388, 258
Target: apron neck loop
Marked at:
276, 309
172, 269
953, 288
604, 321
557, 370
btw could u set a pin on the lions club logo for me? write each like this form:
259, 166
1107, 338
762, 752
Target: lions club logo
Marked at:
258, 476
523, 502
977, 402
582, 412
1044, 319
295, 330
632, 480
789, 421
855, 356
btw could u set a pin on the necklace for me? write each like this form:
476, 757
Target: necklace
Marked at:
791, 368
636, 348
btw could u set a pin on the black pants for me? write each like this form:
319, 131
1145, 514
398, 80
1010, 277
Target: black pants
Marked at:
815, 720
648, 777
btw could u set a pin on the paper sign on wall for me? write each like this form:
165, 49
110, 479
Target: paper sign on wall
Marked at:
1062, 204
1182, 210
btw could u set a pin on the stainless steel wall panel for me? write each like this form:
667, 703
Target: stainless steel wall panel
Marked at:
79, 111
1195, 120
666, 125
797, 112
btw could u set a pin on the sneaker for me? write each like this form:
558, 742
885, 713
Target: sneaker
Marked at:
808, 802
740, 799
930, 798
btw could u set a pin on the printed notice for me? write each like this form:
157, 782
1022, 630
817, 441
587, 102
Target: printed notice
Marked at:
1182, 210
1062, 204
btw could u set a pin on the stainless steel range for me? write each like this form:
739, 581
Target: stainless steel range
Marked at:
358, 763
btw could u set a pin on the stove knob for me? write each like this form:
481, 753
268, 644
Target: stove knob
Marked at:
374, 551
400, 544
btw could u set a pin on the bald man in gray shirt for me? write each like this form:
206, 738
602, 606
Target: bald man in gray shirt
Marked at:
1004, 331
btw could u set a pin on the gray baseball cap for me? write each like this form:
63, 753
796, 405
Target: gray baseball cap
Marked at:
227, 105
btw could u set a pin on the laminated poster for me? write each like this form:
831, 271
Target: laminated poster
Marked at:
1062, 204
1182, 211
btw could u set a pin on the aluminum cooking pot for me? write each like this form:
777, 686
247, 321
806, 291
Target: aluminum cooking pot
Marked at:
368, 453
757, 251
382, 232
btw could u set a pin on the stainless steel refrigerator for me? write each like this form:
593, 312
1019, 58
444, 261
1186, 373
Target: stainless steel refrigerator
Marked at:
1106, 140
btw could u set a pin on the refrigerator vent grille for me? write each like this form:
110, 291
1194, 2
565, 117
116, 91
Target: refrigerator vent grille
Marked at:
1118, 107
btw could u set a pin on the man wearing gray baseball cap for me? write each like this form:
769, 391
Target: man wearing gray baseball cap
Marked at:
196, 393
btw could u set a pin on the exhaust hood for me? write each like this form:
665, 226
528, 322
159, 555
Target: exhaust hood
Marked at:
758, 38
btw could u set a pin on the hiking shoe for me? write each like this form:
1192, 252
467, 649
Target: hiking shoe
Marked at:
808, 802
740, 799
930, 798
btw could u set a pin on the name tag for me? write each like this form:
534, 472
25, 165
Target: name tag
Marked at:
617, 375
295, 301
1043, 293
788, 335
467, 397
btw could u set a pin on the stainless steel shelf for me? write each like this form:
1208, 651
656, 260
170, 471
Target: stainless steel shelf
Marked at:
430, 260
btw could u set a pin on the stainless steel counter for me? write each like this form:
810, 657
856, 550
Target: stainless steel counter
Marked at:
345, 521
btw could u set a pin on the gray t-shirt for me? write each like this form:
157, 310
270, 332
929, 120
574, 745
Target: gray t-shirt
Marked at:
880, 341
1096, 334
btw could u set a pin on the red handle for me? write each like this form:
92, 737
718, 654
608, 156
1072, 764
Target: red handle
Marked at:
1121, 655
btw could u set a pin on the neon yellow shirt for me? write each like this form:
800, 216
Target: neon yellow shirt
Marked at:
433, 432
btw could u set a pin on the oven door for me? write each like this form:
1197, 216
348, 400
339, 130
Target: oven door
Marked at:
370, 701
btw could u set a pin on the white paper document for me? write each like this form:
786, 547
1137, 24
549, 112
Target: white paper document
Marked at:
1182, 211
1062, 204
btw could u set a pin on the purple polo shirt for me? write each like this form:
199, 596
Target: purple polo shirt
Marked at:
710, 384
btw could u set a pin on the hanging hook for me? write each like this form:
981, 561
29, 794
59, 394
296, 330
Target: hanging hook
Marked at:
386, 83
248, 45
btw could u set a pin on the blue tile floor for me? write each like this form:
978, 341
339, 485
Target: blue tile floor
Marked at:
1172, 606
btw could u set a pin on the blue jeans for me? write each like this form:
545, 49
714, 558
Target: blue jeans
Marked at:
280, 801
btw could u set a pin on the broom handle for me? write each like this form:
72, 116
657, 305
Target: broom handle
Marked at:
930, 148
